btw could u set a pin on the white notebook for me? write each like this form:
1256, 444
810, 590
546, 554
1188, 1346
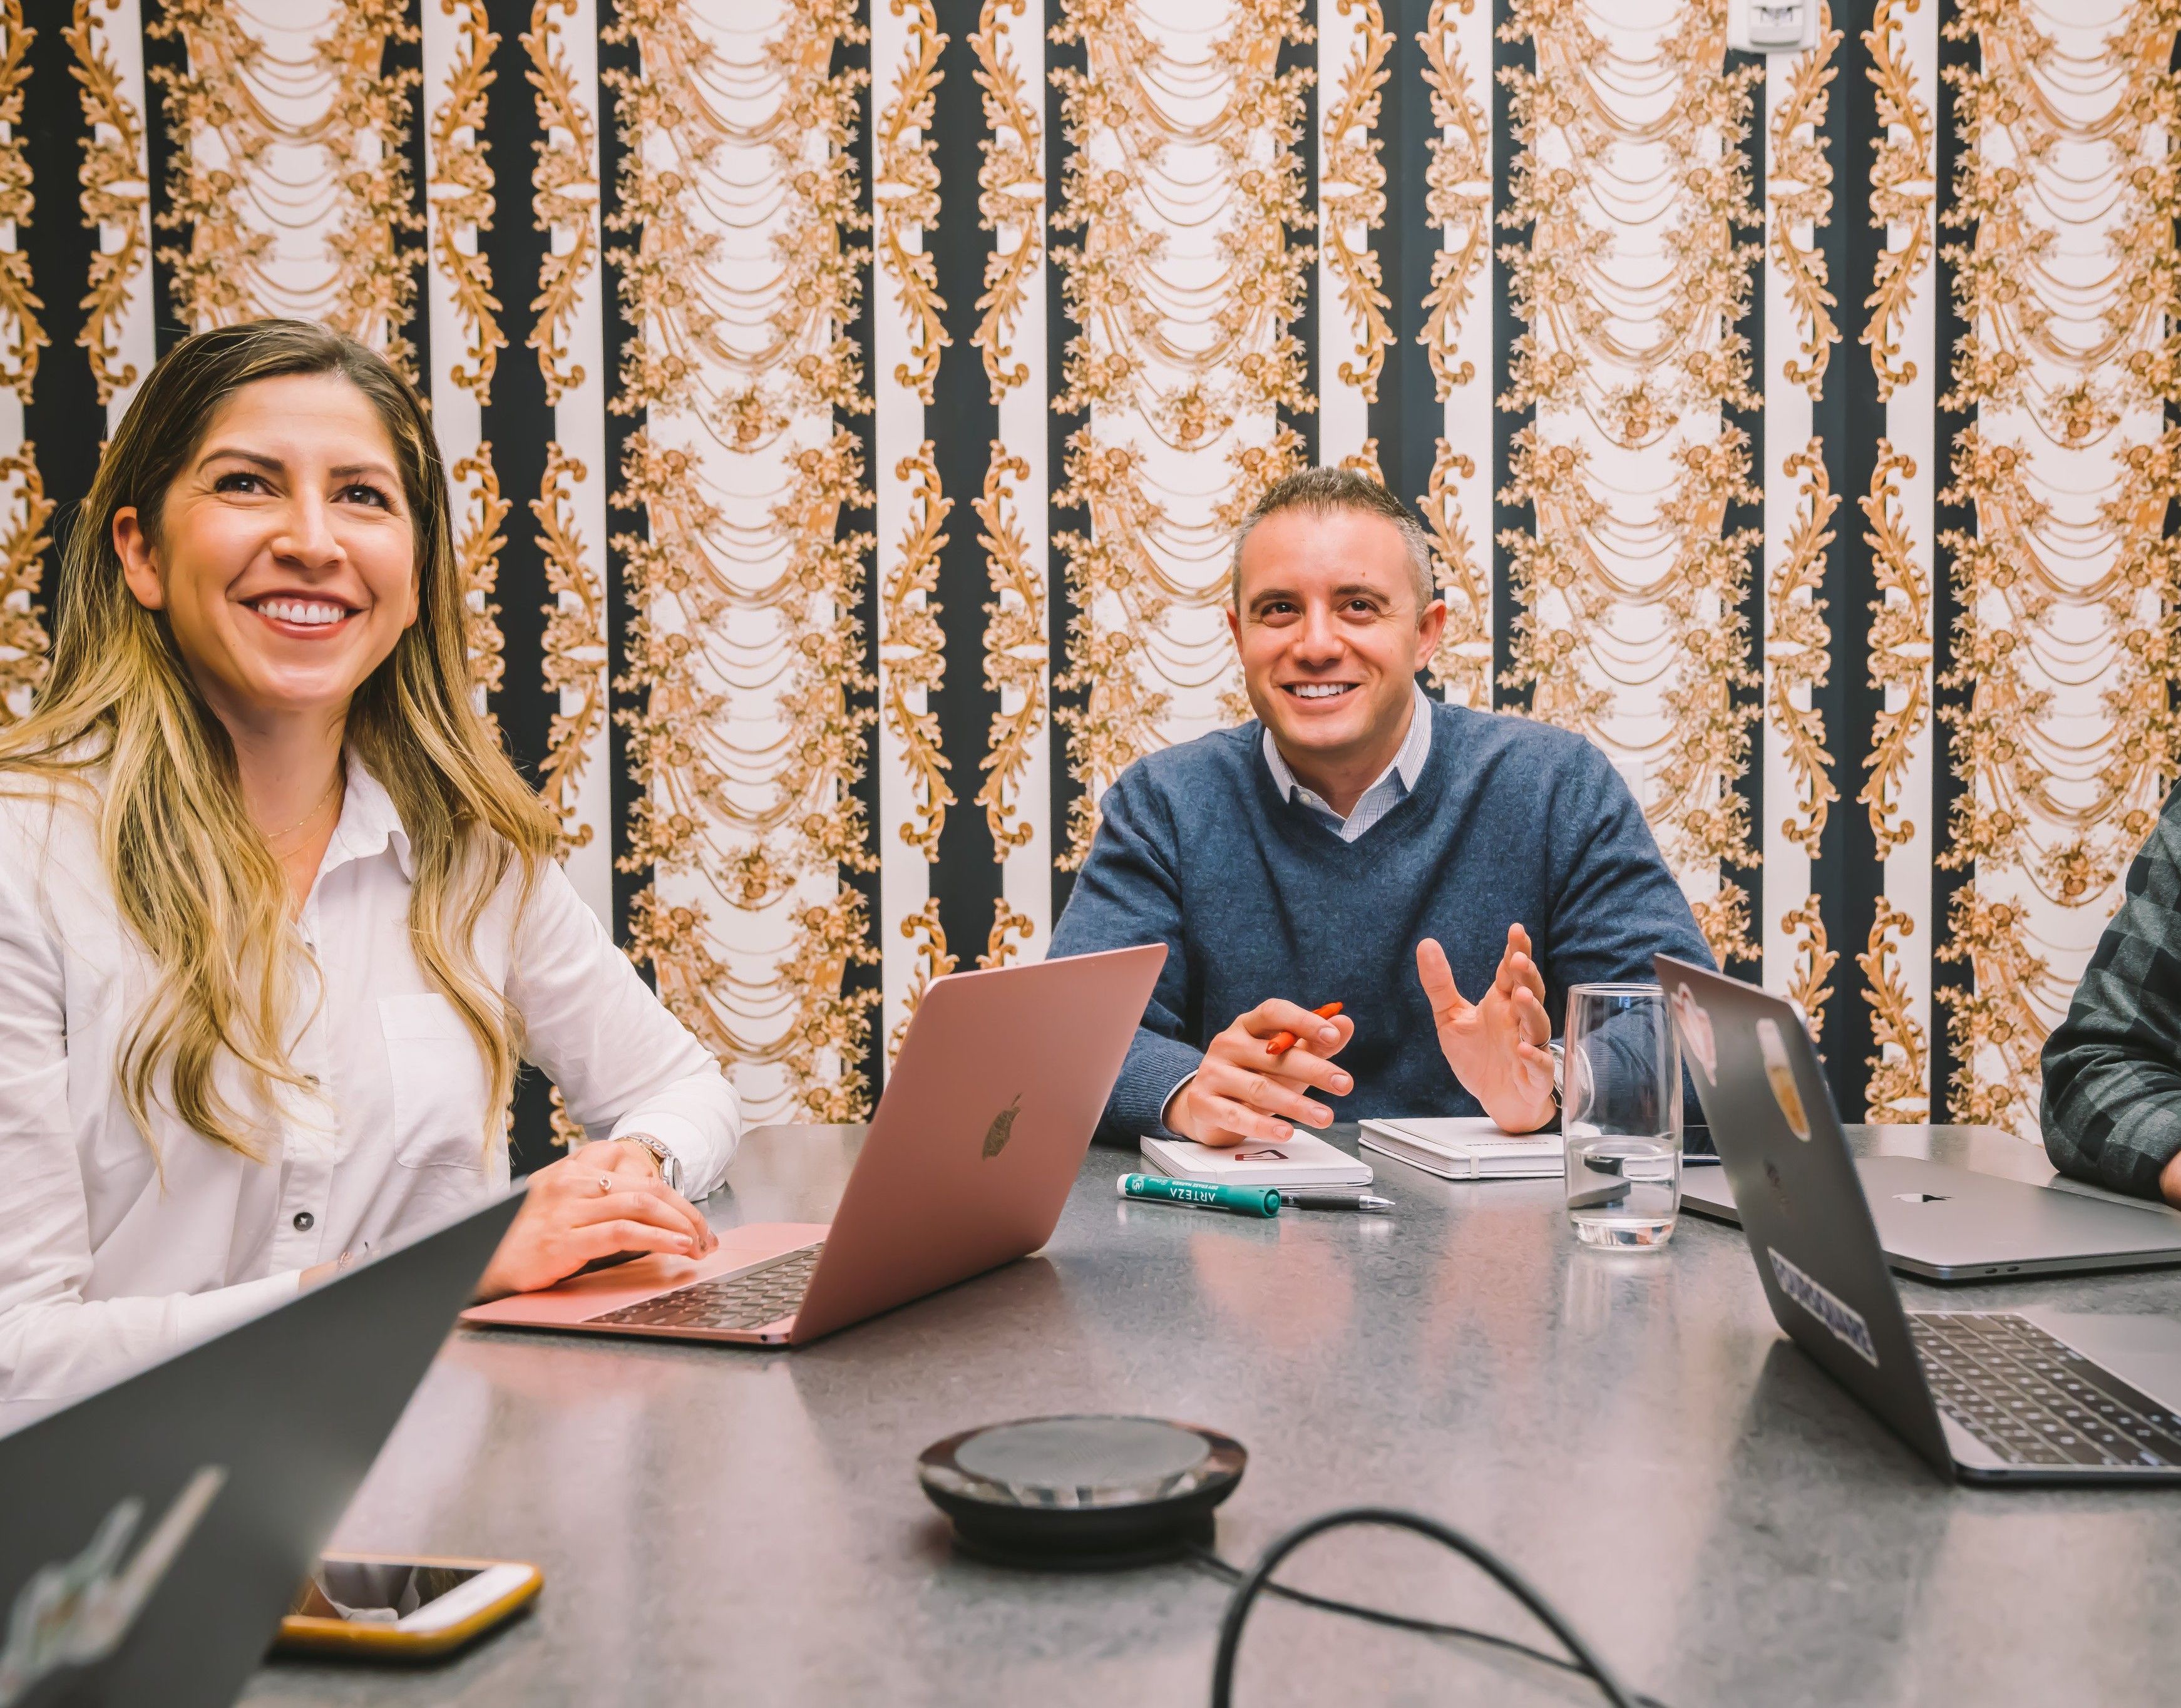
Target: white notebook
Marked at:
1300, 1161
1466, 1147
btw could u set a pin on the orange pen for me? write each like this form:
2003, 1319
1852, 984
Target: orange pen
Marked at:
1283, 1042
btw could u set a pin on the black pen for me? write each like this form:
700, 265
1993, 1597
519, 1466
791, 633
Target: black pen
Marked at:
1331, 1198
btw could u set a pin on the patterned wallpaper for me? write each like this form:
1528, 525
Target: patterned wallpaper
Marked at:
850, 403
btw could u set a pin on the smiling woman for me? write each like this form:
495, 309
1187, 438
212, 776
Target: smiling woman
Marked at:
288, 576
277, 916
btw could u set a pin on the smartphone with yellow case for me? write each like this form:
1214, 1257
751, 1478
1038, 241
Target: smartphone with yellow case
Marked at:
367, 1606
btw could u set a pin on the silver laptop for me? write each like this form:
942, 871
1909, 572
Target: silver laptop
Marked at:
1990, 1396
1944, 1223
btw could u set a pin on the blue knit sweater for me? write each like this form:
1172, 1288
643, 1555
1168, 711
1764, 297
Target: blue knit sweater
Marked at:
1255, 897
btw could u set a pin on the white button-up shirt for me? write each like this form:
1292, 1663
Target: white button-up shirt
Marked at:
115, 1252
1389, 791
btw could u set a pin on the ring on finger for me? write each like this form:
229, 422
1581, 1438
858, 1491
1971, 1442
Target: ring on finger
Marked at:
605, 1184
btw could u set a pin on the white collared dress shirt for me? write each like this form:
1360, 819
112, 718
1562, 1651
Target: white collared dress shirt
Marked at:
117, 1248
1391, 788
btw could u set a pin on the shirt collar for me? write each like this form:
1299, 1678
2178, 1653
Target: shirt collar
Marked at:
1408, 763
369, 824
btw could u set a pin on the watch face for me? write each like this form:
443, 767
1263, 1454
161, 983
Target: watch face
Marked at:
670, 1165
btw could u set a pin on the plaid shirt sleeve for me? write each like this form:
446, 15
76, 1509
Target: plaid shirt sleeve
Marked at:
2112, 1067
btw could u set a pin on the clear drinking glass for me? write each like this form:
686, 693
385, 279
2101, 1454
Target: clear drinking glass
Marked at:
1620, 1112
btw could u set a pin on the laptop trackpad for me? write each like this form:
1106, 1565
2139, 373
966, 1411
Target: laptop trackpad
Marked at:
2143, 1351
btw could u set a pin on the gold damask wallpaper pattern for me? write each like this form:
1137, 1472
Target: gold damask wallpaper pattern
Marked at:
849, 403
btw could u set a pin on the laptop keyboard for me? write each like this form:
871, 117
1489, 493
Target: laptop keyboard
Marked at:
747, 1301
2034, 1400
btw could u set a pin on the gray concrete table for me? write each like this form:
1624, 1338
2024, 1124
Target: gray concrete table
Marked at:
723, 1525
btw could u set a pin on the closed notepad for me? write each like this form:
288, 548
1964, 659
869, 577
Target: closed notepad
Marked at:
1300, 1161
1467, 1147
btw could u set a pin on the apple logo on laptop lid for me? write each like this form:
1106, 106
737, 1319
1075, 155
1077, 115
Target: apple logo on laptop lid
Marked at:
1002, 1127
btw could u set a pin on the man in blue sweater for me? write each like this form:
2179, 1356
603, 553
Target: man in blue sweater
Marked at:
1361, 844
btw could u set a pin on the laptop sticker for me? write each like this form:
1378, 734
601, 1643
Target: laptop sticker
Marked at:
1779, 1075
1843, 1319
1696, 1032
76, 1613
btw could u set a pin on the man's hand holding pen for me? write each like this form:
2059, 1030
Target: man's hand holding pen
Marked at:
1244, 1091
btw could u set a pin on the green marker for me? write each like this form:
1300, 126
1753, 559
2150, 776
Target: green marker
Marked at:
1242, 1201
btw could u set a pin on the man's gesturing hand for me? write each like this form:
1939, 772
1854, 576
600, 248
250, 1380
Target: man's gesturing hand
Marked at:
1242, 1093
1496, 1047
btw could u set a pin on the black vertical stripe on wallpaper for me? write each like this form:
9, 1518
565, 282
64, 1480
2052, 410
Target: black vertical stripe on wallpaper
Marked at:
1846, 873
1520, 55
1407, 418
2172, 404
623, 58
853, 56
1059, 424
397, 57
1750, 514
517, 421
1947, 790
1302, 56
2172, 421
171, 52
62, 419
962, 421
2168, 527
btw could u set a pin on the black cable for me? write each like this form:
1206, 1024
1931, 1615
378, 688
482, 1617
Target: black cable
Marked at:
1231, 1573
1259, 1579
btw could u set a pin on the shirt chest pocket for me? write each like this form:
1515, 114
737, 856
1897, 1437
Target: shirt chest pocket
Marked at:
438, 1080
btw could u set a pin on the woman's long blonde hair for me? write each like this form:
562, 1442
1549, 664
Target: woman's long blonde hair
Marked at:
191, 875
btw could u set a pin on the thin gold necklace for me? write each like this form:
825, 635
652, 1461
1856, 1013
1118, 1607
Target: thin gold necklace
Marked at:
333, 789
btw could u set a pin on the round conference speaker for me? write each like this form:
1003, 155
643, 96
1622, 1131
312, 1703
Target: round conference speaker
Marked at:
1081, 1491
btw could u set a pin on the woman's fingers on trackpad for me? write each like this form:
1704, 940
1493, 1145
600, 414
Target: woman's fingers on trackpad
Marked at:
669, 1214
606, 1239
614, 1262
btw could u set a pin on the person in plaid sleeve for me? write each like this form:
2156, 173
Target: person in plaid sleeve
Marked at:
2112, 1068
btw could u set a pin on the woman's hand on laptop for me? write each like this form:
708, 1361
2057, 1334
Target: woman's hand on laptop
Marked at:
599, 1200
1242, 1093
1496, 1046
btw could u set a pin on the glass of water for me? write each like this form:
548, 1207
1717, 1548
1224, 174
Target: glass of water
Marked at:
1620, 1113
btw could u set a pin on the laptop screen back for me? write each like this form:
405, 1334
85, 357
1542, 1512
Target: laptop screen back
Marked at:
1803, 1210
155, 1533
987, 1114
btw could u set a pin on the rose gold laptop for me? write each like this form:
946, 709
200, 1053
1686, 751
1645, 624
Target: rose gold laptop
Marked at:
983, 1128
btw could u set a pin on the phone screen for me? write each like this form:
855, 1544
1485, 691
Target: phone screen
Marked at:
374, 1592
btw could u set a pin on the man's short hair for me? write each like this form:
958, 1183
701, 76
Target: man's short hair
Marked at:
1338, 488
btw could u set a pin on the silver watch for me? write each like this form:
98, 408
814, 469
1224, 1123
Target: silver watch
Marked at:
670, 1165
